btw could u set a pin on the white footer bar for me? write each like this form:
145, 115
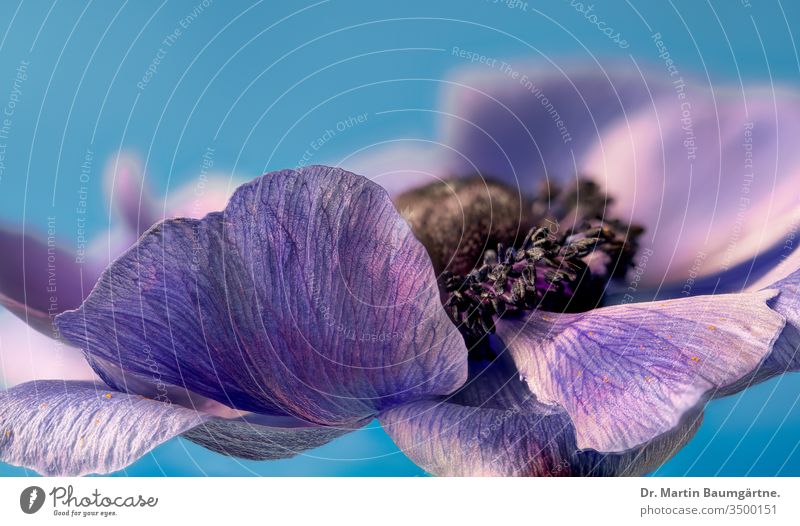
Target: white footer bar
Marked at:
400, 501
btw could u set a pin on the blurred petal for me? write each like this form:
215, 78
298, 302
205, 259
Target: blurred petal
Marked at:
785, 262
26, 355
196, 198
537, 119
127, 192
399, 165
628, 373
495, 427
75, 428
37, 278
309, 296
712, 179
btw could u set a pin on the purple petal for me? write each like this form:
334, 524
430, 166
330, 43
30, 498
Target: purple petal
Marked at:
233, 433
536, 119
103, 250
713, 183
75, 428
628, 373
309, 296
495, 427
37, 279
247, 438
785, 357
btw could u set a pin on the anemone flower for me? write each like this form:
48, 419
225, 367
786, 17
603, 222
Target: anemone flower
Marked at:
473, 317
309, 306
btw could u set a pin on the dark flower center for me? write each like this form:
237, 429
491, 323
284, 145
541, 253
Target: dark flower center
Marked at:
458, 220
499, 253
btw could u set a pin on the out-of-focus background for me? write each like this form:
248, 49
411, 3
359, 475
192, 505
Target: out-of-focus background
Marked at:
258, 85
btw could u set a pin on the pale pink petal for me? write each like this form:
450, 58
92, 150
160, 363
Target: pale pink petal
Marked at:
398, 165
201, 195
713, 178
127, 191
521, 120
26, 355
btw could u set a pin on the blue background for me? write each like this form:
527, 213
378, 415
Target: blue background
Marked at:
244, 73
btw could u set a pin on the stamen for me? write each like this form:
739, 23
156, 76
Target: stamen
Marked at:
458, 220
472, 229
551, 271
